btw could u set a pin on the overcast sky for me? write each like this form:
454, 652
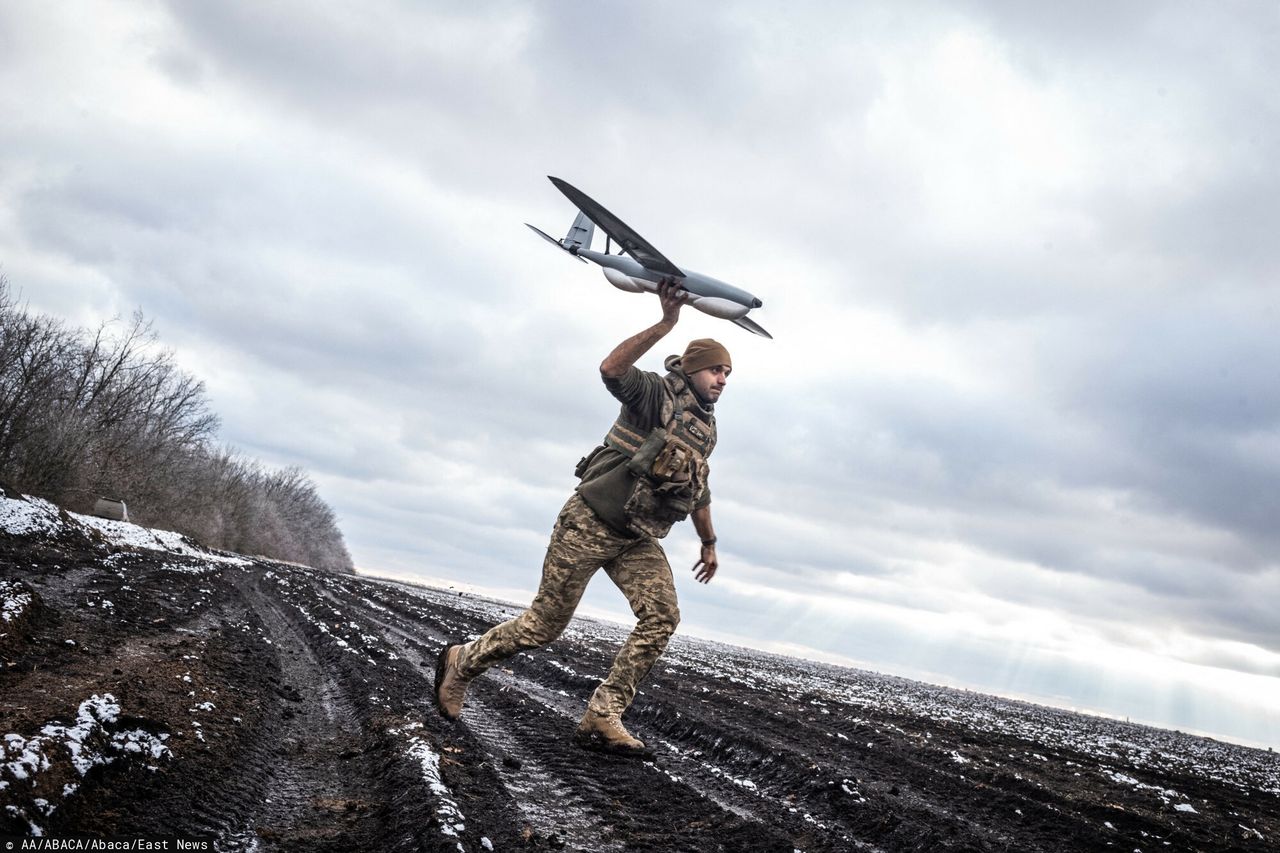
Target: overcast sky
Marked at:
1019, 428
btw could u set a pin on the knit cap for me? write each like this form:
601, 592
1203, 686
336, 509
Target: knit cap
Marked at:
703, 353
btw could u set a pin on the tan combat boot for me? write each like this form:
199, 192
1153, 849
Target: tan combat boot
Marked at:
605, 733
451, 687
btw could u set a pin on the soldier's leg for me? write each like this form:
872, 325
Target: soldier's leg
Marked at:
580, 544
644, 576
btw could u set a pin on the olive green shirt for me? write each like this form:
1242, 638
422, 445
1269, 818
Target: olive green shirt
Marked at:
607, 482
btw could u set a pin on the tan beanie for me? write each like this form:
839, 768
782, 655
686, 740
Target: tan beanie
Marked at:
703, 353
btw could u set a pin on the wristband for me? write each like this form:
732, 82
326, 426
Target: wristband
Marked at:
709, 543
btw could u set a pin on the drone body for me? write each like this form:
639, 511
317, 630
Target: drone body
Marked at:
646, 266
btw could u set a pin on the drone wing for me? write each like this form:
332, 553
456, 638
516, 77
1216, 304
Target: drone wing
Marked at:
631, 242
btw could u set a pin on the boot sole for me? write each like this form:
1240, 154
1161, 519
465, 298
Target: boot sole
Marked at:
440, 668
595, 743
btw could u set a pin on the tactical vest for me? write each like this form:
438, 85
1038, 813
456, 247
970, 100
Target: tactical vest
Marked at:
670, 463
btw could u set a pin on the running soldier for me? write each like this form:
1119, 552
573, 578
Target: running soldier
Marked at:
650, 472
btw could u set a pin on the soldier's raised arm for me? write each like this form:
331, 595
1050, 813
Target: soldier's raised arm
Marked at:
624, 355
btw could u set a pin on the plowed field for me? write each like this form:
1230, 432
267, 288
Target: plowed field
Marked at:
275, 707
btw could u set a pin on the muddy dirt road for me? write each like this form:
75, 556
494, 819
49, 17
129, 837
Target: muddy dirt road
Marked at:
151, 687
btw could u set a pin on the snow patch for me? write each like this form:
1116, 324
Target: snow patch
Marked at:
25, 517
31, 516
86, 744
13, 600
557, 665
1165, 794
186, 568
853, 792
129, 535
741, 783
452, 822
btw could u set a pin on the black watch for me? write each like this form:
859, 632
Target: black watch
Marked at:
707, 543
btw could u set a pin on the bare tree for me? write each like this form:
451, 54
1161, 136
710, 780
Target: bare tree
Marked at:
106, 413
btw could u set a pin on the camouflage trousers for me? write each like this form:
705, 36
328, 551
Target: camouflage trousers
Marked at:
580, 544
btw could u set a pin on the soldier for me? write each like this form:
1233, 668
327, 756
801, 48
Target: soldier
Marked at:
650, 472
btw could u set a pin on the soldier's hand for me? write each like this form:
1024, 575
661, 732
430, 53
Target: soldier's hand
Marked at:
706, 567
672, 295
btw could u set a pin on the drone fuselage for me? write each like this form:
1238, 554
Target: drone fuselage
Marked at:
707, 294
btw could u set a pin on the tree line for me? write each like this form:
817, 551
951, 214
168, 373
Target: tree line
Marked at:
89, 413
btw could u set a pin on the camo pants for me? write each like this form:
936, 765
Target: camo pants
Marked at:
580, 544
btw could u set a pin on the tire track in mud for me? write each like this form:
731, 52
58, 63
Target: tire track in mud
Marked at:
676, 767
566, 793
689, 775
755, 764
868, 793
550, 804
910, 793
536, 784
685, 775
836, 794
813, 792
320, 793
575, 819
745, 762
441, 794
901, 788
781, 763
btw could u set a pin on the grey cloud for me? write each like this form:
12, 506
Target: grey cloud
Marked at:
332, 58
180, 66
1166, 35
1176, 388
988, 478
572, 90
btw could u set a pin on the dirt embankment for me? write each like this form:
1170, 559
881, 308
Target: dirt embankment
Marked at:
152, 687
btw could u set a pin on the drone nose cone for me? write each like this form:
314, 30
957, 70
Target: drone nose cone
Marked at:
756, 303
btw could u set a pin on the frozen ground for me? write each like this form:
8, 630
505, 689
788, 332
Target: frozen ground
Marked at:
151, 686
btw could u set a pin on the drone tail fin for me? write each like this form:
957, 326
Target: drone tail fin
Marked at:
580, 233
552, 240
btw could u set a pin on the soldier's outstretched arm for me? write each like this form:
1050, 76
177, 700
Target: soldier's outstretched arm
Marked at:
708, 562
627, 353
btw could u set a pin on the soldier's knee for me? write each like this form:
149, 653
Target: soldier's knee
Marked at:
540, 632
662, 622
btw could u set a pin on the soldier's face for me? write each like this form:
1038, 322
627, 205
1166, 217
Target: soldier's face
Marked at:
710, 381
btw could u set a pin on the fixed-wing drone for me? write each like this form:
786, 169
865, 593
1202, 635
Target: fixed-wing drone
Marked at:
641, 272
